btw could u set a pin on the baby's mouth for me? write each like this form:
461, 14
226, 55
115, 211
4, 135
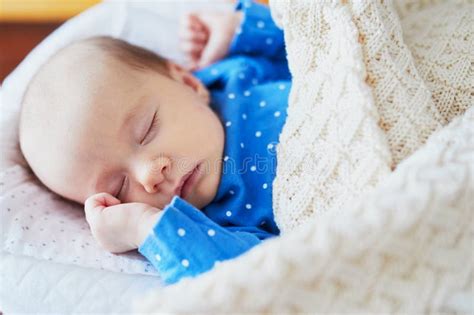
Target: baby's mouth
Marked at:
187, 182
179, 189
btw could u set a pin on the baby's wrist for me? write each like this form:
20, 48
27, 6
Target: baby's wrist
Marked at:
148, 221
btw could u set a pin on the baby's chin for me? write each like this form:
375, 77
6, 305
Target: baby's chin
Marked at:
204, 191
199, 203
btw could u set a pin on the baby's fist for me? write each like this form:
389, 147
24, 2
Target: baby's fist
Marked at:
119, 227
206, 37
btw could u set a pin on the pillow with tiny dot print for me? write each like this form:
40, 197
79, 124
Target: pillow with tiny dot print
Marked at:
34, 221
38, 223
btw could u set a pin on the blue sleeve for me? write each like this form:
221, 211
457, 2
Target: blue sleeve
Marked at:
257, 34
186, 243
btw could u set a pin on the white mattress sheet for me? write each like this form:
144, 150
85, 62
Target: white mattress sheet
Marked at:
30, 285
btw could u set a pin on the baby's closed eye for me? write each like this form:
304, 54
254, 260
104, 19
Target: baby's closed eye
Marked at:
152, 128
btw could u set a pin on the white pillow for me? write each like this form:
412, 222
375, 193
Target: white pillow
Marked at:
35, 221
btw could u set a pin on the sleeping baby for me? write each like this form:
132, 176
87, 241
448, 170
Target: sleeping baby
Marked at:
176, 164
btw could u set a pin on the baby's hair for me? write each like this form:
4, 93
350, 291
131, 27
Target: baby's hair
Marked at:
42, 98
134, 56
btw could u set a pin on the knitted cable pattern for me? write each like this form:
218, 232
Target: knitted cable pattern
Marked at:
410, 97
443, 49
357, 236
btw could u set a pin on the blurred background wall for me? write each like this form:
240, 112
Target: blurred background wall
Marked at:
24, 23
41, 10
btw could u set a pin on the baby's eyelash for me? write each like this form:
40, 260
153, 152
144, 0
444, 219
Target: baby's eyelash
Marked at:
120, 189
153, 125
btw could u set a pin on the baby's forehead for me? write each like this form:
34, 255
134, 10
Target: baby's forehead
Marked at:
66, 87
81, 83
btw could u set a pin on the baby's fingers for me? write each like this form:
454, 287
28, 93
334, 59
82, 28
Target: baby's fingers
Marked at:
191, 35
101, 200
98, 202
192, 49
192, 30
193, 22
192, 53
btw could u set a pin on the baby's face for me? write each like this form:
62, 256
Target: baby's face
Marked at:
139, 136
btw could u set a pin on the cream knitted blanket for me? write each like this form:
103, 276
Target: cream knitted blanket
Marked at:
363, 232
360, 102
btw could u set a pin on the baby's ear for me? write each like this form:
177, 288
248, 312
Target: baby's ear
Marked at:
178, 73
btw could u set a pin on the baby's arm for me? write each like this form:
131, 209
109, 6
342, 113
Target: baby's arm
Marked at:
186, 243
258, 34
179, 241
208, 37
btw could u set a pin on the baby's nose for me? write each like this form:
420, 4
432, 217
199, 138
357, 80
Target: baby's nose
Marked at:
151, 188
155, 174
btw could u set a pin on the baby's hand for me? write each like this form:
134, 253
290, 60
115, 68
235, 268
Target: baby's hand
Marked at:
206, 37
119, 227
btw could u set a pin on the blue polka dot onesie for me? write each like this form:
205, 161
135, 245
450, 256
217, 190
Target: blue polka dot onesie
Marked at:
249, 92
